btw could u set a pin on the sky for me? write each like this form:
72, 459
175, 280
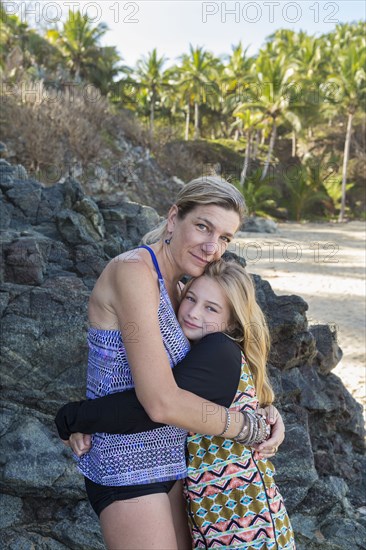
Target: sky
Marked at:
136, 27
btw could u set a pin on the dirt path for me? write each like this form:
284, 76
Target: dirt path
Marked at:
325, 265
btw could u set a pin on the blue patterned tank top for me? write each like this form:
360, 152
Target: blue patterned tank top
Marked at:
139, 458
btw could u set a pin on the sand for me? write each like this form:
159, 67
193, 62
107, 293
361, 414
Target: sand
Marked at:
324, 263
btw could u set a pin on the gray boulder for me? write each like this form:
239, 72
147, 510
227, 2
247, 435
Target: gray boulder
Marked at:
256, 224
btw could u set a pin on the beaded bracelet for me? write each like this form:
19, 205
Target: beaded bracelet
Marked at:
242, 435
254, 429
261, 433
228, 420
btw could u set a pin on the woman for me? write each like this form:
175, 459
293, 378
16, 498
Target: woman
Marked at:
131, 313
231, 495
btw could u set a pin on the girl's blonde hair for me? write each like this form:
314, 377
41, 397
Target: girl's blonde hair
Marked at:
248, 325
206, 190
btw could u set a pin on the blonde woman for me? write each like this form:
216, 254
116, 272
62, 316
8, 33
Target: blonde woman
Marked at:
231, 496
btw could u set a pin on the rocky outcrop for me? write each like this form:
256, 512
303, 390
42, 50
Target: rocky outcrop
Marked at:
131, 173
55, 243
256, 224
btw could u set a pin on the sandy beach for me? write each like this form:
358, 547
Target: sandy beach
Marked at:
324, 263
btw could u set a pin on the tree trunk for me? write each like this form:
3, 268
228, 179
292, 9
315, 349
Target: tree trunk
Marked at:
293, 152
152, 115
256, 144
270, 150
244, 171
186, 132
347, 144
196, 120
236, 135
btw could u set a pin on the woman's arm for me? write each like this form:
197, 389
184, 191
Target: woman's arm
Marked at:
211, 369
135, 302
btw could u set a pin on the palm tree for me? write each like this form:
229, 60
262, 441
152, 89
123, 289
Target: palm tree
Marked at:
107, 68
79, 43
236, 75
274, 73
250, 122
152, 80
308, 58
22, 48
350, 75
197, 78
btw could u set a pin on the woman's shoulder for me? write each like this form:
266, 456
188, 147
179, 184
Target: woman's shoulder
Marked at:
129, 265
124, 277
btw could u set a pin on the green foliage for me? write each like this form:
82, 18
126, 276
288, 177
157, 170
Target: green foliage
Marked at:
333, 187
295, 86
304, 190
79, 48
260, 197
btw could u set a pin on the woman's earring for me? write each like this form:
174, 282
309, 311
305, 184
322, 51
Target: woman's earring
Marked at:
167, 241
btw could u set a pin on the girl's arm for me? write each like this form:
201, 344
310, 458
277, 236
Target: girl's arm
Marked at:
211, 369
135, 302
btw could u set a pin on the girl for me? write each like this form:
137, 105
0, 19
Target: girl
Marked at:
231, 496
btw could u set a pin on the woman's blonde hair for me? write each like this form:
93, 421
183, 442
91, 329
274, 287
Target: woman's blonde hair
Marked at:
248, 325
206, 190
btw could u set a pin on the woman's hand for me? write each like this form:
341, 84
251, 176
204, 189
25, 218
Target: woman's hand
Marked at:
268, 448
79, 443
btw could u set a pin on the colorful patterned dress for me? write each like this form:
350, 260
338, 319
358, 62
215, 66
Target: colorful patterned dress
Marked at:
232, 499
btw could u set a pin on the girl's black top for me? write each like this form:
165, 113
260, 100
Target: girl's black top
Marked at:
211, 370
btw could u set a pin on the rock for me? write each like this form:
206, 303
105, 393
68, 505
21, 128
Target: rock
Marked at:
35, 461
26, 196
307, 529
294, 462
6, 212
127, 222
255, 224
11, 510
328, 495
24, 262
89, 209
328, 352
74, 228
43, 338
345, 531
10, 174
133, 175
292, 343
311, 389
22, 539
230, 256
82, 531
3, 151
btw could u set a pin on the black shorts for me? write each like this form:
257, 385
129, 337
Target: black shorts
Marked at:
101, 496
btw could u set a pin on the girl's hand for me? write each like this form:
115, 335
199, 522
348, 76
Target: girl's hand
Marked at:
268, 448
270, 413
79, 443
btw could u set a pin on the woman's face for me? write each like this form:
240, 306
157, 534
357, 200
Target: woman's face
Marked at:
201, 237
204, 309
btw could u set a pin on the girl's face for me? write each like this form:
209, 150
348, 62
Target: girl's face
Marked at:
201, 237
204, 309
